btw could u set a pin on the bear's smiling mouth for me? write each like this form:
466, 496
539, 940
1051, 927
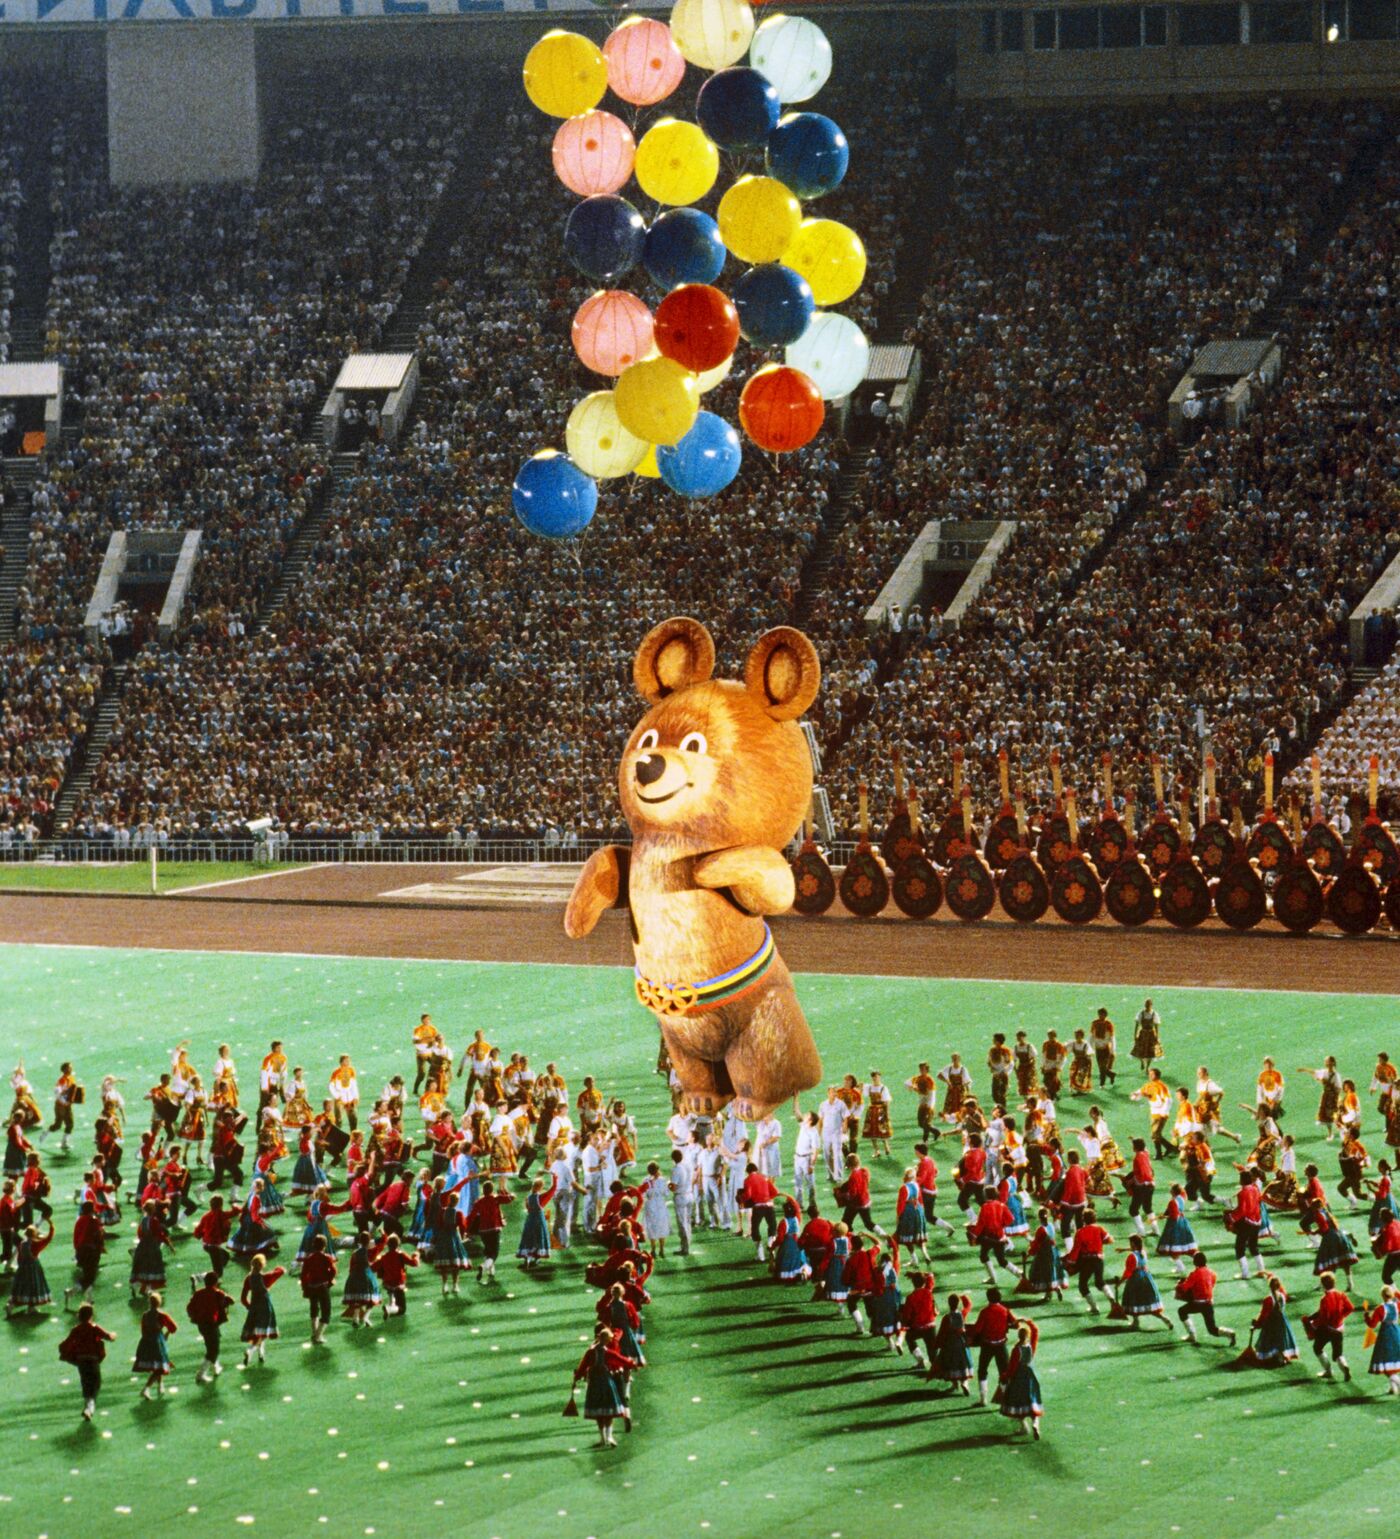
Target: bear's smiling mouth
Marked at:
655, 801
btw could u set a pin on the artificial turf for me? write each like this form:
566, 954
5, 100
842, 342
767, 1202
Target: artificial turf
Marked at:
128, 876
760, 1412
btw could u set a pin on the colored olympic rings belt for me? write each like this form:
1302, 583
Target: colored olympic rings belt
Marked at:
694, 998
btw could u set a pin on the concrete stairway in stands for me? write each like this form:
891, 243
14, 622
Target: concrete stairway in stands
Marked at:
89, 752
339, 472
14, 538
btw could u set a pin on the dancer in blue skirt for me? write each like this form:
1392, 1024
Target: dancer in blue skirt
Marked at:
1020, 1390
148, 1260
790, 1262
1335, 1251
1274, 1343
1177, 1238
911, 1222
1385, 1321
361, 1292
952, 1361
836, 1288
1044, 1272
253, 1237
317, 1223
884, 1299
307, 1175
1138, 1297
534, 1235
604, 1368
152, 1356
30, 1289
1384, 1207
260, 1323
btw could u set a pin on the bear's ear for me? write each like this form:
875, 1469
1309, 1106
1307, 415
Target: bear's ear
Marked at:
784, 671
674, 654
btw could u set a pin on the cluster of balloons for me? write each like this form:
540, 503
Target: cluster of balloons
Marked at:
664, 359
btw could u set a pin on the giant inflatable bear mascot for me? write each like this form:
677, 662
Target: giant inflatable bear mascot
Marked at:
715, 780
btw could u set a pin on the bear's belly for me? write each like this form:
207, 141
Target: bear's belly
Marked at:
690, 935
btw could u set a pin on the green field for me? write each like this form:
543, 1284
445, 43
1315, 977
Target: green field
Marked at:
128, 876
761, 1414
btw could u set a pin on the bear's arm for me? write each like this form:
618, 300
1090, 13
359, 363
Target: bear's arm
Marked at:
759, 878
601, 885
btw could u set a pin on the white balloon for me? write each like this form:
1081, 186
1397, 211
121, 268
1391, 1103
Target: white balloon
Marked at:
833, 351
794, 54
712, 377
598, 443
712, 34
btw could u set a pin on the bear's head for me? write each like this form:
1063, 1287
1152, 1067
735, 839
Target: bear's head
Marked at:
716, 763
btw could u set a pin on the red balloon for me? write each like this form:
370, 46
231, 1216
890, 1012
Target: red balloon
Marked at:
697, 327
781, 409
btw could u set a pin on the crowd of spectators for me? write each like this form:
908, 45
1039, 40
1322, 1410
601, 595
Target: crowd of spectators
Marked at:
436, 670
1227, 594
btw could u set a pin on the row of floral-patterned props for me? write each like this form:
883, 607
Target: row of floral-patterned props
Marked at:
650, 423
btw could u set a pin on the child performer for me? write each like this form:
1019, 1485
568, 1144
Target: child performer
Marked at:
1385, 1355
361, 1292
604, 1366
1137, 1288
534, 1235
486, 1220
1177, 1238
260, 1323
1020, 1389
317, 1275
152, 1357
390, 1263
1271, 1334
952, 1360
1197, 1294
1044, 1271
911, 1227
1327, 1324
30, 1289
208, 1311
85, 1346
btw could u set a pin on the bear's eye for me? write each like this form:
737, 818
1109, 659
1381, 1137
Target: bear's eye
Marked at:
648, 739
694, 742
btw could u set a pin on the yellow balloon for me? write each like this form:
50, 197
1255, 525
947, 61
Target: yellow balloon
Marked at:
649, 468
758, 218
830, 257
716, 376
712, 34
565, 74
676, 162
658, 400
596, 440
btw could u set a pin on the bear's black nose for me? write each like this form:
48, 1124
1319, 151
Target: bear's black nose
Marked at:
652, 768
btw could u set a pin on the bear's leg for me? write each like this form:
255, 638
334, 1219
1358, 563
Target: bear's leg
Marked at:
705, 1086
773, 1057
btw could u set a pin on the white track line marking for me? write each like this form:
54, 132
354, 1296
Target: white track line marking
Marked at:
233, 881
354, 956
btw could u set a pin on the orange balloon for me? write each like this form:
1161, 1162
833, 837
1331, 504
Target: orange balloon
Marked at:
781, 408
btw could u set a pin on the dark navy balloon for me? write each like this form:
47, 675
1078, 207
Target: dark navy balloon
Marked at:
604, 238
808, 154
738, 108
684, 246
552, 497
774, 304
705, 461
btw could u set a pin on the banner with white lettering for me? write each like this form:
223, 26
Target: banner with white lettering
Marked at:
87, 12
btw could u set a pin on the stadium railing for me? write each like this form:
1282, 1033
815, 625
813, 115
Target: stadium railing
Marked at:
313, 850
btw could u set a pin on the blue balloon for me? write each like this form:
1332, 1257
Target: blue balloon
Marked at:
774, 304
684, 246
604, 238
808, 154
705, 461
738, 108
552, 497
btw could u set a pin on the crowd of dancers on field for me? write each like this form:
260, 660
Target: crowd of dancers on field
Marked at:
430, 1188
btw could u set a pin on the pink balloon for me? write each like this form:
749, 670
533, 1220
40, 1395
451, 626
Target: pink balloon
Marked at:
593, 153
612, 329
644, 64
